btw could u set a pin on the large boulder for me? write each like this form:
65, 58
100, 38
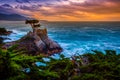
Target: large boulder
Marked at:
35, 43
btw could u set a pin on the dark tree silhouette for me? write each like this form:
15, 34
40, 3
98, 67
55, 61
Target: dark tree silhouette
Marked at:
34, 24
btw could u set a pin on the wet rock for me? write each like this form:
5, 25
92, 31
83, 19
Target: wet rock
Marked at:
3, 31
1, 40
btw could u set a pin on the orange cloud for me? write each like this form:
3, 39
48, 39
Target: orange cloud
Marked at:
74, 10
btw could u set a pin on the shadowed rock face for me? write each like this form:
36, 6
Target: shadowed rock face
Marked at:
35, 43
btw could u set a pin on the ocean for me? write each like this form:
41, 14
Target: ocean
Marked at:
74, 37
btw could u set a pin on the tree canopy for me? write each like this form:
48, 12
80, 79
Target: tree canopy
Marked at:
31, 21
34, 23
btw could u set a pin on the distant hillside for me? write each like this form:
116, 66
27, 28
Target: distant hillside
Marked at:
12, 17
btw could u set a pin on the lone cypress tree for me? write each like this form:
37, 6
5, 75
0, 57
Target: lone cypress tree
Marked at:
34, 24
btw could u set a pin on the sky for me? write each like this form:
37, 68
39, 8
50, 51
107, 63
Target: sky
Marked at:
64, 10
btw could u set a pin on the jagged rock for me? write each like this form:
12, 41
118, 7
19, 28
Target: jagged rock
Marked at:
3, 31
1, 40
36, 42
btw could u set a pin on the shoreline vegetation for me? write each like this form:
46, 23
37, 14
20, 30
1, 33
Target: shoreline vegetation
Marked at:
89, 66
15, 64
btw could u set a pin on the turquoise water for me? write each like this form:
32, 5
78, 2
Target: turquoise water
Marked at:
74, 37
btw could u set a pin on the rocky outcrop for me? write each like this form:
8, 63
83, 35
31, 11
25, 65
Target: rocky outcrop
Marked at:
35, 43
4, 32
1, 40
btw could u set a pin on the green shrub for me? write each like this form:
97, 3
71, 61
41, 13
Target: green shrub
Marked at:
102, 66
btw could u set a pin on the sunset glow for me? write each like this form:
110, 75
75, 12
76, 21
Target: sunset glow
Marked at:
77, 1
64, 10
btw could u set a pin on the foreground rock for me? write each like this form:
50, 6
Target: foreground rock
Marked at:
35, 43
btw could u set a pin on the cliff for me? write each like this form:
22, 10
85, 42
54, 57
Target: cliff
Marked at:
35, 43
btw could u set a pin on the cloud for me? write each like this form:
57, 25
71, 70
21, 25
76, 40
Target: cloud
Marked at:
6, 6
22, 1
66, 9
